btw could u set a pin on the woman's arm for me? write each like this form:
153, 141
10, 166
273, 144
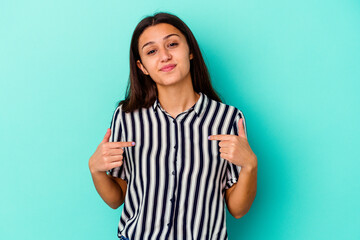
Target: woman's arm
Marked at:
242, 194
109, 155
112, 190
236, 150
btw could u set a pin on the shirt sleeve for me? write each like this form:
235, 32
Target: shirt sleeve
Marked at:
233, 171
117, 136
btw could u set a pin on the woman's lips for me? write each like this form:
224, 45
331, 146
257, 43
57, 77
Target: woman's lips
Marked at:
168, 68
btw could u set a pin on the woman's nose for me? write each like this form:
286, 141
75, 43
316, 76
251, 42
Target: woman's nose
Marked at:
165, 55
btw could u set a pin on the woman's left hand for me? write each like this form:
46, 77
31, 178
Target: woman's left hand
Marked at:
236, 149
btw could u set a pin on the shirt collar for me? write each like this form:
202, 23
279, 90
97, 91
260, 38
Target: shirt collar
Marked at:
199, 106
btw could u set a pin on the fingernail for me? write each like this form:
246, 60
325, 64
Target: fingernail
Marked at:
209, 137
133, 143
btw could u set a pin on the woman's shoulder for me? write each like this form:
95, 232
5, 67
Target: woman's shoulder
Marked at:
121, 110
226, 108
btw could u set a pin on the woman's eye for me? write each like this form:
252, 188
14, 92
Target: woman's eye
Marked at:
151, 52
171, 45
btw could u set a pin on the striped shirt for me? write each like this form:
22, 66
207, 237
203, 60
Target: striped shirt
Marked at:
176, 179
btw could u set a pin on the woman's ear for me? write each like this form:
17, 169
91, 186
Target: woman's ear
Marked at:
143, 69
191, 56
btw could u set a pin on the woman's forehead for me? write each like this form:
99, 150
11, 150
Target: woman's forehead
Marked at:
157, 33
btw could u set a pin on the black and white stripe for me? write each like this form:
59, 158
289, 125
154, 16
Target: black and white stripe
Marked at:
175, 175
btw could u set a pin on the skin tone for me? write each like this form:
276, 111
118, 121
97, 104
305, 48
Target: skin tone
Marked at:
162, 45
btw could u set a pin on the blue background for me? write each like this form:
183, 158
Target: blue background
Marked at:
292, 67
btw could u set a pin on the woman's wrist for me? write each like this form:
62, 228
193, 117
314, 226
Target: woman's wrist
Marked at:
252, 166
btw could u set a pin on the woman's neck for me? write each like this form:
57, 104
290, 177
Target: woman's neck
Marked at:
175, 100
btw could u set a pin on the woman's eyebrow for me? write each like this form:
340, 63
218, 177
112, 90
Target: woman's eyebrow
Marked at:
173, 34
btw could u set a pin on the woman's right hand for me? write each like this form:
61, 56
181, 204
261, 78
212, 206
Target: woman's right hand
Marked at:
108, 155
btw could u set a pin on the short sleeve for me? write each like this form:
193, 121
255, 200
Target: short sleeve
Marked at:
117, 136
233, 171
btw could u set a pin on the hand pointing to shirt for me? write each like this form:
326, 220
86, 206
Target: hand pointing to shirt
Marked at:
108, 155
236, 149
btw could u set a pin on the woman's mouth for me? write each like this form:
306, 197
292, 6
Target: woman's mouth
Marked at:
168, 68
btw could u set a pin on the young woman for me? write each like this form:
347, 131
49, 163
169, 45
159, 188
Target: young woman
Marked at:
174, 152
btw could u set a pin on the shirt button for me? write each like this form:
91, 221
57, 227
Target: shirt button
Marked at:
168, 224
175, 146
173, 172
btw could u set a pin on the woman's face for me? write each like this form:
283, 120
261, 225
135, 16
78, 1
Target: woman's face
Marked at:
164, 55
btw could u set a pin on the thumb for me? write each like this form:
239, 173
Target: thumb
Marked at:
241, 128
107, 136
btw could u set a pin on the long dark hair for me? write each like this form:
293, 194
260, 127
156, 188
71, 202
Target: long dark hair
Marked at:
141, 89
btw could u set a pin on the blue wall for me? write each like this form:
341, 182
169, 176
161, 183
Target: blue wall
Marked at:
292, 67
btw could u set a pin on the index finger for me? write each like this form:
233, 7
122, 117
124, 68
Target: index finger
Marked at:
220, 137
121, 144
